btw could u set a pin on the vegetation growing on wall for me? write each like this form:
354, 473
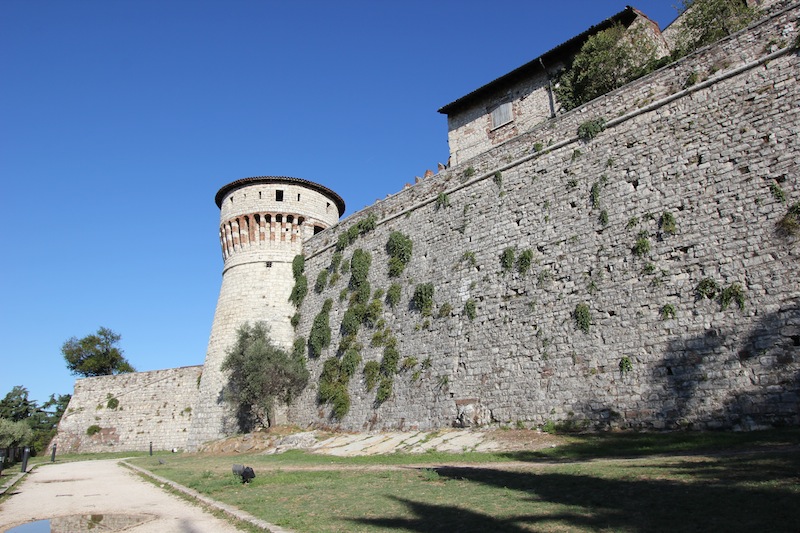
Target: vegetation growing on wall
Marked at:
423, 298
399, 248
668, 224
607, 60
591, 128
642, 245
321, 282
470, 309
707, 21
507, 258
362, 227
393, 294
789, 224
320, 336
524, 261
582, 317
333, 388
300, 288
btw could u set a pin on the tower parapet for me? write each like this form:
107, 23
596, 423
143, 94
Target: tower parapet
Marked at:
263, 223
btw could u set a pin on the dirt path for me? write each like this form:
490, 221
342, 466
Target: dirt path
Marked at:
106, 496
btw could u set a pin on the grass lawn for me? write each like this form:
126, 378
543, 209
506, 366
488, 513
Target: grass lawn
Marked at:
623, 482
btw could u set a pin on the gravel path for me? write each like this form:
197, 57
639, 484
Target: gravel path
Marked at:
103, 492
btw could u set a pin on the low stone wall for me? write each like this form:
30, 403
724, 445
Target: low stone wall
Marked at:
130, 411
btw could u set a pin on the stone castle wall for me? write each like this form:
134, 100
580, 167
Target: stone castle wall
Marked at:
711, 142
131, 411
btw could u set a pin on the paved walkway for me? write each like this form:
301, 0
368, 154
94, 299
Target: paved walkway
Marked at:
103, 492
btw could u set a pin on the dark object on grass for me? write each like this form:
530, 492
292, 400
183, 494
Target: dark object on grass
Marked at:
244, 472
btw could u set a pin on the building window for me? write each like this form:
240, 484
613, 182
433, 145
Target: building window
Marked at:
298, 197
501, 115
269, 264
278, 196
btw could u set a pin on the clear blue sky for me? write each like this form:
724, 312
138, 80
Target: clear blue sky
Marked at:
120, 120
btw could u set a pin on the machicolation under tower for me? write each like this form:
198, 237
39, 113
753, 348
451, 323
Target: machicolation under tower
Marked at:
263, 223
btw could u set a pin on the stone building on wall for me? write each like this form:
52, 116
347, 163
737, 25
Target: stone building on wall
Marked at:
524, 98
692, 170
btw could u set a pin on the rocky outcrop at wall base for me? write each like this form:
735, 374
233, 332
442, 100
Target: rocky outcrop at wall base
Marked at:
130, 411
599, 317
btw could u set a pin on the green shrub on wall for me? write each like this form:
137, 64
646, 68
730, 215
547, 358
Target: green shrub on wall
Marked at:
470, 309
321, 282
298, 266
320, 336
300, 288
393, 294
353, 232
507, 258
642, 245
423, 298
789, 224
359, 268
524, 261
299, 291
732, 293
372, 373
583, 317
94, 429
399, 247
707, 288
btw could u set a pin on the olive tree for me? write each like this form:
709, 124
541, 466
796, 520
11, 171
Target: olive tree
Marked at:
260, 374
96, 355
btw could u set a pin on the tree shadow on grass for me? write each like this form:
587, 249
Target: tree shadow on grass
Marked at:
724, 494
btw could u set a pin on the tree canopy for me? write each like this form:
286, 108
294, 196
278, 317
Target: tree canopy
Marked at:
707, 21
23, 422
96, 355
259, 374
607, 60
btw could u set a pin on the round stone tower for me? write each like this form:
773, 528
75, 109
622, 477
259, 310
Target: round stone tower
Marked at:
263, 223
